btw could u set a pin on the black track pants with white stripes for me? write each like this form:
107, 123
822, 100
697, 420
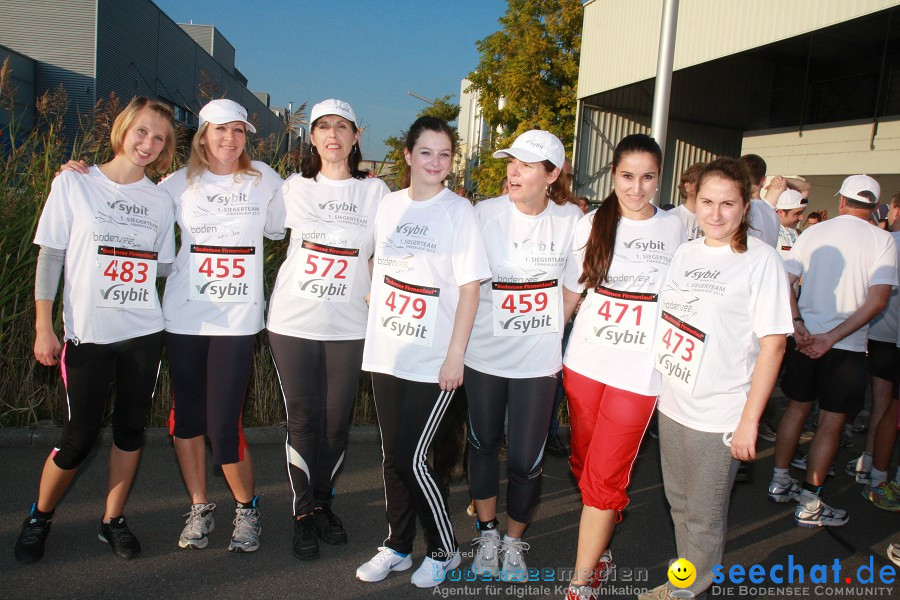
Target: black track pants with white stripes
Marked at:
409, 413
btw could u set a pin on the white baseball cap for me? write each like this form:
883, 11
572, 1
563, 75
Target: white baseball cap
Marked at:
332, 107
790, 199
223, 111
854, 185
535, 146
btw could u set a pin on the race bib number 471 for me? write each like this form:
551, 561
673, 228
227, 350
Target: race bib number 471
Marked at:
408, 311
222, 273
679, 351
127, 278
623, 320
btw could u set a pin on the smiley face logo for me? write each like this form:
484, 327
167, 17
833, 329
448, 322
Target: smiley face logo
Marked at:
682, 573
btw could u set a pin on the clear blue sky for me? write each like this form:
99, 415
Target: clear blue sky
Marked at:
367, 53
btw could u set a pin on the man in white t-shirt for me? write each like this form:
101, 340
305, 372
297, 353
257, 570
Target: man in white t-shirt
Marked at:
848, 268
763, 220
687, 189
790, 207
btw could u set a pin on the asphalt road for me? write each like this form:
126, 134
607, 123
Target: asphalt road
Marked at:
77, 565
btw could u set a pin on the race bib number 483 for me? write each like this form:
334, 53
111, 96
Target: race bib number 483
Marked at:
324, 273
525, 308
127, 278
624, 320
679, 351
408, 312
222, 273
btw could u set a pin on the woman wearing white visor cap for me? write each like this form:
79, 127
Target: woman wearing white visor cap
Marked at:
514, 354
317, 319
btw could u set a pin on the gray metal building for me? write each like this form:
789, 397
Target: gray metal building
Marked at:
130, 48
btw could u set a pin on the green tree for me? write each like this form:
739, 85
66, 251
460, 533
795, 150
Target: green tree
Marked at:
441, 108
532, 62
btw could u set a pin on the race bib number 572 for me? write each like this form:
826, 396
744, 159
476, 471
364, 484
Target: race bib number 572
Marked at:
222, 273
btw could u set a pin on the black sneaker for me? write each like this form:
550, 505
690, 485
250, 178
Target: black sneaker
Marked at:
306, 540
119, 537
555, 447
30, 545
329, 526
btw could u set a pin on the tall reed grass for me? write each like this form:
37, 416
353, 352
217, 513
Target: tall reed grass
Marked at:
29, 392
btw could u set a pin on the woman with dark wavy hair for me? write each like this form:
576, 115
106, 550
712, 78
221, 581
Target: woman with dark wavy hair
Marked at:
624, 249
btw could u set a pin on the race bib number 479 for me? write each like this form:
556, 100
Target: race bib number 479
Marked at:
679, 351
222, 273
408, 311
127, 278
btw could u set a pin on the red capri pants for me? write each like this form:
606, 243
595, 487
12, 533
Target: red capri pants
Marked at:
607, 427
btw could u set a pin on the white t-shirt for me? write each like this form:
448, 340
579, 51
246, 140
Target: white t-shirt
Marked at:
733, 299
787, 237
216, 284
114, 236
839, 260
600, 346
688, 219
519, 325
321, 286
424, 251
764, 222
884, 327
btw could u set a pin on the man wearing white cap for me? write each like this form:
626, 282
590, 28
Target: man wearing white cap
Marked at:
790, 207
848, 268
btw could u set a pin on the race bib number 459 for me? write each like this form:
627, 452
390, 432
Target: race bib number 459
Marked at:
408, 312
525, 308
624, 320
222, 273
127, 278
679, 351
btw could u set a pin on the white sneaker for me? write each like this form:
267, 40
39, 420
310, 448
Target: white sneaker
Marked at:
378, 567
432, 572
857, 470
514, 569
819, 514
487, 554
198, 526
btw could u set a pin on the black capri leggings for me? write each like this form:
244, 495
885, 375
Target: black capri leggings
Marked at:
318, 382
209, 382
530, 402
87, 372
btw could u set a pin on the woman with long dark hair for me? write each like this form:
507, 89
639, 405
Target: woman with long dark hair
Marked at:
624, 249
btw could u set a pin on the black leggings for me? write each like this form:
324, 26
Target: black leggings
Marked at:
530, 402
318, 382
210, 375
409, 413
87, 372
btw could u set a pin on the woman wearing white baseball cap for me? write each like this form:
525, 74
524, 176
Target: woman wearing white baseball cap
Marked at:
514, 353
317, 318
213, 306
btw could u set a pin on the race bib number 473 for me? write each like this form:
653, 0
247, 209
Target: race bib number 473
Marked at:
127, 278
222, 273
408, 311
679, 351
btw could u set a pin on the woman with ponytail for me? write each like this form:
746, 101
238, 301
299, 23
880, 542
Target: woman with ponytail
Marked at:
624, 249
725, 310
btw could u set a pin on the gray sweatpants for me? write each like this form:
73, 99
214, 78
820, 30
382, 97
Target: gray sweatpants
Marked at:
698, 473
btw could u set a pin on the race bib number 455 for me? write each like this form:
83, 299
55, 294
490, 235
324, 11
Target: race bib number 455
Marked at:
525, 308
679, 351
222, 273
408, 312
127, 278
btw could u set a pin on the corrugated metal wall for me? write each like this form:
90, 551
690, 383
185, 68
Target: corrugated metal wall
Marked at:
61, 40
22, 85
599, 131
127, 50
707, 29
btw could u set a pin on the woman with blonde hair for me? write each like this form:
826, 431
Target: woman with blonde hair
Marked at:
108, 232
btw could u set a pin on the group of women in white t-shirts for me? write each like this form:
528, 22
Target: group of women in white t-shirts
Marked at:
426, 292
